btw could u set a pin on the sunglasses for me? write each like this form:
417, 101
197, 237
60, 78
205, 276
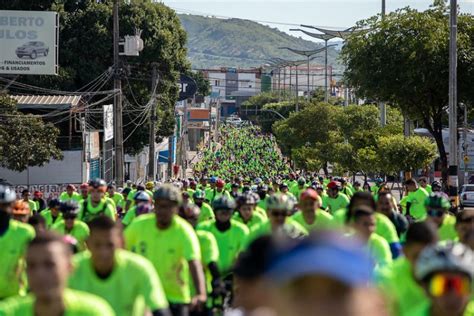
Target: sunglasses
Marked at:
435, 213
441, 284
279, 214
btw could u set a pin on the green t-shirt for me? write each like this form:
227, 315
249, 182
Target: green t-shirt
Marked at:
417, 200
402, 291
334, 204
230, 242
33, 206
117, 198
255, 221
80, 231
169, 250
323, 220
103, 208
209, 253
77, 304
447, 230
379, 251
64, 197
383, 226
48, 217
291, 228
425, 310
129, 216
132, 286
12, 248
206, 213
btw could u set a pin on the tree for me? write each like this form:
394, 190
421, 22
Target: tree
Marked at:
86, 52
398, 153
404, 61
25, 140
203, 84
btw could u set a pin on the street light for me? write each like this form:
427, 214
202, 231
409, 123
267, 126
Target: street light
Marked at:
453, 144
308, 54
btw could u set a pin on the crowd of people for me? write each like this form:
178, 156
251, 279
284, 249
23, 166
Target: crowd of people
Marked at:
249, 242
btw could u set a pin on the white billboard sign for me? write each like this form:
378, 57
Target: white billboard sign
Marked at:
28, 42
108, 122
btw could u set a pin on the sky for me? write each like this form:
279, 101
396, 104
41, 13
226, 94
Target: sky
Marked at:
287, 14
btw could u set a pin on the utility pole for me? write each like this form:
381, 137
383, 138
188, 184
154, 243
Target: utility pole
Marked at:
297, 90
326, 95
153, 119
307, 96
382, 107
465, 146
118, 126
210, 124
453, 139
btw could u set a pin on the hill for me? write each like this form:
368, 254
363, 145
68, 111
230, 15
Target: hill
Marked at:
214, 42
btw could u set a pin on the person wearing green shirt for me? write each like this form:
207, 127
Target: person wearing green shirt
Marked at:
69, 225
218, 191
424, 184
206, 210
445, 272
415, 203
142, 205
49, 263
96, 203
357, 187
363, 223
70, 194
437, 205
25, 194
397, 282
172, 246
52, 213
14, 237
310, 215
335, 200
297, 189
127, 281
346, 188
231, 236
246, 214
115, 196
279, 207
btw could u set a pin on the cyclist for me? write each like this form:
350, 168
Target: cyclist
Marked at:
231, 236
300, 186
84, 188
279, 207
335, 199
363, 222
14, 236
347, 188
116, 197
424, 184
218, 191
398, 281
210, 189
130, 202
437, 206
25, 194
446, 274
436, 186
172, 246
141, 206
206, 210
415, 202
21, 211
52, 213
465, 227
310, 214
209, 254
38, 199
70, 226
235, 190
357, 187
49, 263
120, 277
70, 194
385, 206
96, 203
246, 213
38, 223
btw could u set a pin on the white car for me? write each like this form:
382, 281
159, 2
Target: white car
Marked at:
467, 195
234, 120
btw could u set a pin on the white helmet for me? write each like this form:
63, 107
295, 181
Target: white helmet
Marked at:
7, 195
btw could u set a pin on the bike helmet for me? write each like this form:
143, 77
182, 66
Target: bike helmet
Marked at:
69, 207
141, 196
334, 185
437, 200
280, 202
220, 183
247, 198
223, 203
149, 185
436, 184
452, 257
213, 180
168, 192
301, 181
21, 208
258, 181
199, 194
98, 184
53, 203
262, 188
7, 195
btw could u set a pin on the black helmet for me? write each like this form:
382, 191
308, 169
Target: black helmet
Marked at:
247, 198
69, 207
168, 192
54, 203
223, 203
97, 183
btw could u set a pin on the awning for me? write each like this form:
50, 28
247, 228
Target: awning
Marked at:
46, 102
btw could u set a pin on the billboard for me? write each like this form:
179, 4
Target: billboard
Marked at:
28, 42
108, 122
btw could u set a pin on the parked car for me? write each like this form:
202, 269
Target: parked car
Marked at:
32, 49
234, 120
466, 198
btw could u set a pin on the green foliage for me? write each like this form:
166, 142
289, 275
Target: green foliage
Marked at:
404, 61
214, 42
397, 153
25, 140
203, 84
